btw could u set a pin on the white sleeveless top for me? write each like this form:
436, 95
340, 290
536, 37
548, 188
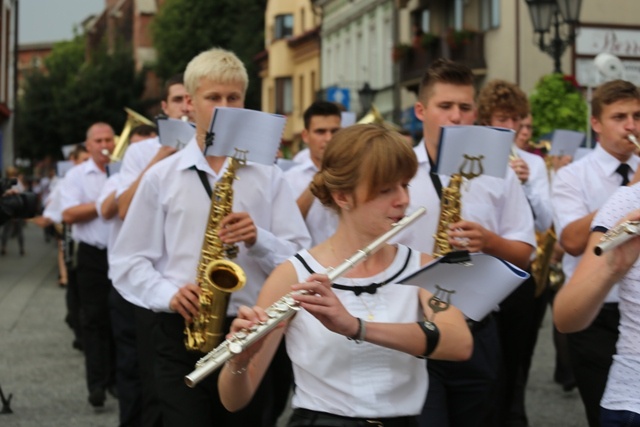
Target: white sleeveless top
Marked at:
341, 377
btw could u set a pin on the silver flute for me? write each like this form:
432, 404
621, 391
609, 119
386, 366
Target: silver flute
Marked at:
283, 309
617, 236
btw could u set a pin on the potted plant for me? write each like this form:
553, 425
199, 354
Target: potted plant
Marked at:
428, 40
557, 103
400, 52
459, 38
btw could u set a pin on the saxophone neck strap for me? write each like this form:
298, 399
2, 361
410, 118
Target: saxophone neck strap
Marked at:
204, 180
357, 290
437, 184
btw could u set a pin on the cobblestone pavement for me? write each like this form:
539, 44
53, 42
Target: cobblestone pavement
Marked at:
46, 376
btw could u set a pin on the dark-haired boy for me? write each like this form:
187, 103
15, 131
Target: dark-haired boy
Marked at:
496, 220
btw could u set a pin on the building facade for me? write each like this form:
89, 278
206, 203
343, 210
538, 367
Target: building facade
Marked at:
8, 48
290, 63
128, 22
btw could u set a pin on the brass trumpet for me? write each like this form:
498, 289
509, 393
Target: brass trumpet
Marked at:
122, 141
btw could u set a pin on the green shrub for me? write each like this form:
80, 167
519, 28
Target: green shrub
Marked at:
557, 103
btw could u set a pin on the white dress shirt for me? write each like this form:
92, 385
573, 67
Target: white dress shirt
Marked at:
302, 156
538, 190
158, 248
338, 376
321, 221
53, 204
135, 159
83, 184
622, 392
114, 223
582, 187
498, 204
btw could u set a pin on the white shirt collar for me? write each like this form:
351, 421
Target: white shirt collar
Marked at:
191, 156
610, 163
90, 166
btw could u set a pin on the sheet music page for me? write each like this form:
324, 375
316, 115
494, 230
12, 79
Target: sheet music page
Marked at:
67, 149
254, 131
489, 146
476, 289
581, 152
347, 118
113, 168
175, 133
63, 167
565, 142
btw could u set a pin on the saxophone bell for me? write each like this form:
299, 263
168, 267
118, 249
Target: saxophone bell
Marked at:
216, 275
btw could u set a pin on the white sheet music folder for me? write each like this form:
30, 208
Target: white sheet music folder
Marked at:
62, 167
565, 142
493, 144
475, 288
256, 132
175, 133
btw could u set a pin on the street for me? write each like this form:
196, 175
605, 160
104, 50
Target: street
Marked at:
45, 375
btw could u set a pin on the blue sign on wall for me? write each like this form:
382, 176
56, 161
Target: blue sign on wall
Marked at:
339, 95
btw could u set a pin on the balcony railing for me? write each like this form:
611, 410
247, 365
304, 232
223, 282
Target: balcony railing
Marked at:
416, 59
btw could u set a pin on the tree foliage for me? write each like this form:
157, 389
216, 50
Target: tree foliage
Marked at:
59, 104
184, 28
556, 103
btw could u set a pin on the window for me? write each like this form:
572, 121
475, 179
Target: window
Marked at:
420, 22
489, 14
283, 27
284, 95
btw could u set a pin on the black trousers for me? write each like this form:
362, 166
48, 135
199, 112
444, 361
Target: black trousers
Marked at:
460, 392
515, 327
201, 406
145, 329
72, 299
94, 287
591, 352
128, 380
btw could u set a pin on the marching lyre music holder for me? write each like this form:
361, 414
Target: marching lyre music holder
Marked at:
6, 403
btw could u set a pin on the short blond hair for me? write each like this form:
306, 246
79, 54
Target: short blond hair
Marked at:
215, 64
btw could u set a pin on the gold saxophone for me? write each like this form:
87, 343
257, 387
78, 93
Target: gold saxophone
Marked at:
543, 271
450, 204
217, 276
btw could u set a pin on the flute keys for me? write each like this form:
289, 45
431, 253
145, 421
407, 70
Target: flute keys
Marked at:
235, 348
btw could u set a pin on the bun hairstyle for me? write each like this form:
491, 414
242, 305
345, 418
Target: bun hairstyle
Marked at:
368, 154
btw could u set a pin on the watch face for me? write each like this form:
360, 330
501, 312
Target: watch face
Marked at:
429, 325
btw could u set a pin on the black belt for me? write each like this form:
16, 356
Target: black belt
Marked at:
476, 326
305, 417
88, 246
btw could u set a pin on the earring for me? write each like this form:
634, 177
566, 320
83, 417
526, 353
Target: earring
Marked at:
347, 207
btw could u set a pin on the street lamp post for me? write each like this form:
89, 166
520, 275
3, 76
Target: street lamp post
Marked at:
366, 96
560, 13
